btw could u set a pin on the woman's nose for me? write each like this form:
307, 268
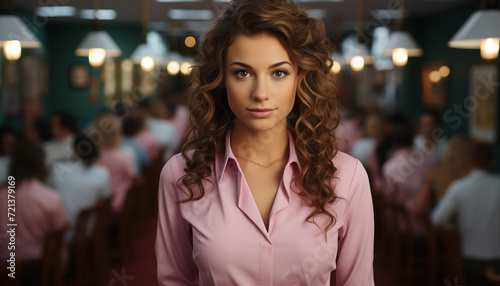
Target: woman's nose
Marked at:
260, 91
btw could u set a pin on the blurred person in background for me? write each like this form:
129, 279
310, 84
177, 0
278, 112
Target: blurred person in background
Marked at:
131, 127
471, 204
63, 126
163, 128
145, 137
363, 148
405, 170
38, 209
82, 183
455, 165
350, 129
427, 138
180, 117
8, 138
384, 149
109, 140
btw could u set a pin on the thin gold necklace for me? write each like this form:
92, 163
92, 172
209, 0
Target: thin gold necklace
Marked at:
265, 166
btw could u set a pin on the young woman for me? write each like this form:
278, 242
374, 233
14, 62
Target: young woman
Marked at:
259, 195
114, 157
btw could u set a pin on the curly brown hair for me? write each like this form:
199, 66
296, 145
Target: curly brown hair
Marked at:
313, 117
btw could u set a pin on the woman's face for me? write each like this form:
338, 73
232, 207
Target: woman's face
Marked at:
261, 81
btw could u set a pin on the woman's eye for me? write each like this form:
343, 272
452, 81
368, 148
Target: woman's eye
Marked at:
280, 73
242, 73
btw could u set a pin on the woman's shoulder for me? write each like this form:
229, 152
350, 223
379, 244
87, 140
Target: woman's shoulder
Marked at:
349, 174
174, 168
345, 163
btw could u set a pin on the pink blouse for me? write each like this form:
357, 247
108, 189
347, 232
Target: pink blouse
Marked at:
121, 172
38, 211
221, 238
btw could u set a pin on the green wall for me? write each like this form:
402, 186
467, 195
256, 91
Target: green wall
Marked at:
433, 34
62, 40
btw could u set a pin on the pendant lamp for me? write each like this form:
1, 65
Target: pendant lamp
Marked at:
143, 54
97, 44
401, 44
480, 31
14, 35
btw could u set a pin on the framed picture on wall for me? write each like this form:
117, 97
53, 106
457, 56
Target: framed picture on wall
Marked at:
79, 76
435, 85
482, 102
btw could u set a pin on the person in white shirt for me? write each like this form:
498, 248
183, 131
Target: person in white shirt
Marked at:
428, 140
80, 182
473, 204
163, 129
62, 127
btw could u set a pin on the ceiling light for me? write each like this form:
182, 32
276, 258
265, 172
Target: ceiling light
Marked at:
401, 45
13, 28
480, 31
173, 68
190, 41
56, 11
12, 50
101, 14
336, 67
98, 44
185, 14
14, 35
185, 68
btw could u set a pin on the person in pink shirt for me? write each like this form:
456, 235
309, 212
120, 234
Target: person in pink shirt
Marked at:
38, 208
259, 194
120, 164
350, 129
146, 138
405, 171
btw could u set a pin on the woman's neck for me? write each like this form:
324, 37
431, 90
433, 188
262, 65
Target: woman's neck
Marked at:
264, 147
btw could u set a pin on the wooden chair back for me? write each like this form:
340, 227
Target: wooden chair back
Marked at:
52, 259
454, 265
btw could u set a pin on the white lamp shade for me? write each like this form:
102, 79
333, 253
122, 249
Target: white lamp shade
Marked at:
352, 48
12, 28
143, 50
481, 25
98, 40
402, 40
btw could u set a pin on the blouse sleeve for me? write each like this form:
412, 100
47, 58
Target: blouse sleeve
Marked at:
173, 237
355, 255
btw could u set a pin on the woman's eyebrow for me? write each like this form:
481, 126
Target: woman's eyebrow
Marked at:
270, 67
241, 64
279, 64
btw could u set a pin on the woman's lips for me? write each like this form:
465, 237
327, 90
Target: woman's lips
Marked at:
261, 112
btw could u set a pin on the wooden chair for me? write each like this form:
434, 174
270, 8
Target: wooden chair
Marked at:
407, 262
100, 238
90, 252
151, 173
121, 241
49, 266
454, 263
382, 231
52, 261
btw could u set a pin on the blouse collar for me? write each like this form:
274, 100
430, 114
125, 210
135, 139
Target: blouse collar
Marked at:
223, 159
